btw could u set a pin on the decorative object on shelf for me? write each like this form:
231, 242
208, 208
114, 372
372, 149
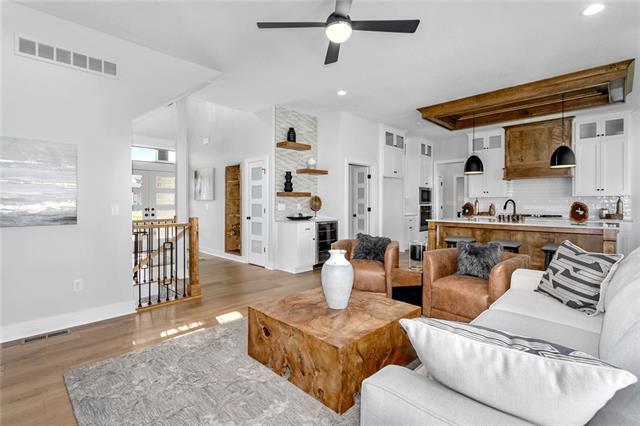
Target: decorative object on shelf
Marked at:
492, 209
476, 206
563, 156
312, 163
473, 165
579, 212
39, 183
291, 135
468, 210
337, 279
604, 213
288, 185
620, 206
203, 184
315, 204
293, 194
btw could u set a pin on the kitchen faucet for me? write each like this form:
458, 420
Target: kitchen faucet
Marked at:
507, 203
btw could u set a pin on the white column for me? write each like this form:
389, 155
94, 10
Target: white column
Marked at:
183, 183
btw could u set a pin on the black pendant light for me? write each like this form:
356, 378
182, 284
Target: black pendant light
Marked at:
563, 156
473, 165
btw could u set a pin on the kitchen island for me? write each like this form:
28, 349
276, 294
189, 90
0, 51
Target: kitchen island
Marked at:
532, 233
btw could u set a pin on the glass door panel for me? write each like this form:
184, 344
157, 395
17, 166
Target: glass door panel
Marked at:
257, 181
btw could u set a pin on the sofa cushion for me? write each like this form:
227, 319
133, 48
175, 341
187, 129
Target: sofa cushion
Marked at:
537, 305
516, 374
370, 248
626, 271
478, 260
522, 325
622, 313
574, 276
624, 407
460, 295
369, 275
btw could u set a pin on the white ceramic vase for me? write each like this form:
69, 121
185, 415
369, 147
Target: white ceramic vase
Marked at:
337, 279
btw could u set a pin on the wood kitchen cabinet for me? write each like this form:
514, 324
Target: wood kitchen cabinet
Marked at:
528, 148
490, 148
393, 154
602, 156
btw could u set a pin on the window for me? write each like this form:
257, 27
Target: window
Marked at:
140, 153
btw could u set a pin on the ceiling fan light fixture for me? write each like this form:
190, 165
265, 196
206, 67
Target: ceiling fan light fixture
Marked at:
338, 30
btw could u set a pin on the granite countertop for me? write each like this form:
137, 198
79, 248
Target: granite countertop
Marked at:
530, 221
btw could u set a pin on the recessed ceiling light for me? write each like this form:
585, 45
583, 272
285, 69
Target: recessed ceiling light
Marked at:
342, 92
593, 9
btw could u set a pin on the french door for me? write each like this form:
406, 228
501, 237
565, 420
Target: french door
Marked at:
358, 199
153, 195
257, 212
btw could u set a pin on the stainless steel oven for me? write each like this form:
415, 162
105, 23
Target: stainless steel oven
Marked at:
425, 214
425, 196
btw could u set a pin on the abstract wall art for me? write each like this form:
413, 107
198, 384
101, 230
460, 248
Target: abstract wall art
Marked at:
38, 183
203, 184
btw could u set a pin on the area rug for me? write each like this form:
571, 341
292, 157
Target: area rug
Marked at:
201, 378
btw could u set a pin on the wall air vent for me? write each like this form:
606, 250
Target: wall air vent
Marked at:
28, 47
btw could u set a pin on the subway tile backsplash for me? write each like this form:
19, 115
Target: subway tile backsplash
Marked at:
551, 196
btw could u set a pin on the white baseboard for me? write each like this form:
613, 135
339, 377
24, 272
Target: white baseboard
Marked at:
60, 322
223, 255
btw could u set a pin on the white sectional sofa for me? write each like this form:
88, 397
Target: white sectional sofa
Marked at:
400, 396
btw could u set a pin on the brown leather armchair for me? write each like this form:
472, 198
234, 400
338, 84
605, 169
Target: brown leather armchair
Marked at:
449, 296
371, 275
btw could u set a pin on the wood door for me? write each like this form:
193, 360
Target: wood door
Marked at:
232, 210
258, 220
359, 200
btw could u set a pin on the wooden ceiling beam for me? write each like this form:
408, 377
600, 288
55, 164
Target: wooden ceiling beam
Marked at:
539, 96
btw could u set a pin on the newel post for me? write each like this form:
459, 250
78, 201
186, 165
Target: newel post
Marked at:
194, 254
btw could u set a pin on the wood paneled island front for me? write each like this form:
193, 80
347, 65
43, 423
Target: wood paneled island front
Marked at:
532, 234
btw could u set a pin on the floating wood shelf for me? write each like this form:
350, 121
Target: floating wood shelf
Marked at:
294, 145
312, 172
293, 194
603, 85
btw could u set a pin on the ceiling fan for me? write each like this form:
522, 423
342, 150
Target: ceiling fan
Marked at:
338, 27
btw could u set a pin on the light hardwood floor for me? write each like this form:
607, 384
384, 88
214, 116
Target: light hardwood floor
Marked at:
32, 391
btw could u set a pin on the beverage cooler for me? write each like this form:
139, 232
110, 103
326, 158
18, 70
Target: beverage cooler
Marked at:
326, 234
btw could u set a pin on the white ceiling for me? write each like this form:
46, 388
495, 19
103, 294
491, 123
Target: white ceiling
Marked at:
460, 49
161, 123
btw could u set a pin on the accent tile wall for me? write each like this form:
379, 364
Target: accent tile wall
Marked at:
551, 196
306, 127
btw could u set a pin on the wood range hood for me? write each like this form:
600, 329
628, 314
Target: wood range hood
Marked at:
588, 88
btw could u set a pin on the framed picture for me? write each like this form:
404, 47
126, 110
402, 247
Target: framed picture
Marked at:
38, 182
203, 184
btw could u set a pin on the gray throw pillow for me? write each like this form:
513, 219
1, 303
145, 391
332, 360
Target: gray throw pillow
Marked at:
478, 260
370, 248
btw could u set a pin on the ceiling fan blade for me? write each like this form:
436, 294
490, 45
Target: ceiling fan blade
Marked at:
400, 26
332, 53
266, 25
343, 7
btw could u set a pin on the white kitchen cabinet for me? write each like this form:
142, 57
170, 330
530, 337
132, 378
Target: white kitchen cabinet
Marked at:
393, 154
602, 156
489, 147
426, 165
296, 246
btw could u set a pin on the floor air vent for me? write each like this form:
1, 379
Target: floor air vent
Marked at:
45, 336
34, 49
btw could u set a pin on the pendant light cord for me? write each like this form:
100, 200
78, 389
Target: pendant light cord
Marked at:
473, 133
562, 119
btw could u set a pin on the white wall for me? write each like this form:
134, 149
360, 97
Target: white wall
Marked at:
53, 103
234, 136
635, 176
153, 142
344, 138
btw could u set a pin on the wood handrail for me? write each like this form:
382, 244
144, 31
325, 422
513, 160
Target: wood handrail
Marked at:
156, 253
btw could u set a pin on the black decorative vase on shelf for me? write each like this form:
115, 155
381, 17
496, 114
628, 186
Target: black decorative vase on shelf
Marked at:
288, 185
291, 135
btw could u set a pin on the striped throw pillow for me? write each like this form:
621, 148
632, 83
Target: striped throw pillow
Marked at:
574, 276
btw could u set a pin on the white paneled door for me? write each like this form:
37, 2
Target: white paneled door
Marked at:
153, 195
257, 217
359, 199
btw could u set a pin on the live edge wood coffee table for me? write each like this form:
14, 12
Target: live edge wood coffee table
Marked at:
328, 353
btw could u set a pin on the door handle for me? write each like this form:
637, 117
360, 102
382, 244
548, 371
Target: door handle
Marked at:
248, 217
354, 215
